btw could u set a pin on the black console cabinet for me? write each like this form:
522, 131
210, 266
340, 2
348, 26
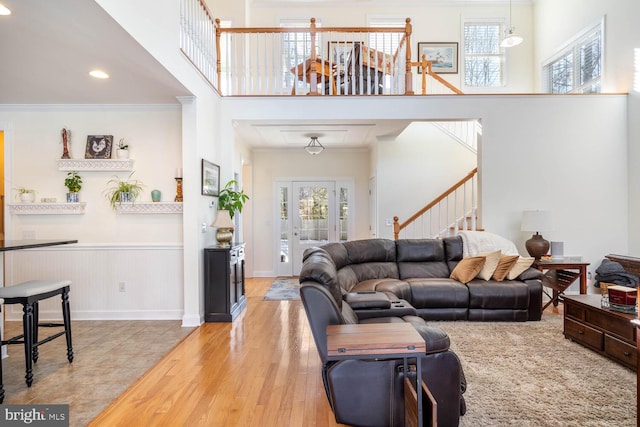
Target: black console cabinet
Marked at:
224, 296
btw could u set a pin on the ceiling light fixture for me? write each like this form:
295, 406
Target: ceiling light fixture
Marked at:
98, 74
511, 39
314, 147
4, 10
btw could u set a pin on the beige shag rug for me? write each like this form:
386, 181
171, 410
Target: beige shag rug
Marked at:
528, 374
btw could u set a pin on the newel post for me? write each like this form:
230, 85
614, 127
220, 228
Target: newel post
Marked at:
408, 77
218, 66
396, 228
313, 71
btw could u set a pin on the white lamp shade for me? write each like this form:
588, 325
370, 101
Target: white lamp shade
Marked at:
511, 40
223, 220
536, 221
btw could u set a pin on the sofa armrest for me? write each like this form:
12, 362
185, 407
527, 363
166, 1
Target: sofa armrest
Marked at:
367, 300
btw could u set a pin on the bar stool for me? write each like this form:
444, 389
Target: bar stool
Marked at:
29, 294
1, 383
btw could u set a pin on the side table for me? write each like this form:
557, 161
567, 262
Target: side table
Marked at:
560, 274
636, 324
389, 341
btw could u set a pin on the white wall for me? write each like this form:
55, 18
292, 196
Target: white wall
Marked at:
634, 171
538, 152
112, 247
569, 17
201, 134
422, 158
331, 164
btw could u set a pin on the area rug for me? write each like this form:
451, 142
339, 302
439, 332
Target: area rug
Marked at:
528, 374
283, 289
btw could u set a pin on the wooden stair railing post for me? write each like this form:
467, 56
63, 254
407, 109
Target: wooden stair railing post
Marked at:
313, 78
408, 77
218, 63
396, 228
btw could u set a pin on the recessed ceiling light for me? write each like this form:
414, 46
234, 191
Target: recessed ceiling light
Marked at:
4, 10
99, 74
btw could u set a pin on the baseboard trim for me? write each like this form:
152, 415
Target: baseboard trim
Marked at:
106, 315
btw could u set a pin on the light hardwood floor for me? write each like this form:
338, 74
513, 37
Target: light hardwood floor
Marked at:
261, 370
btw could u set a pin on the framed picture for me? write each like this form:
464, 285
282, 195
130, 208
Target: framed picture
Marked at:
210, 179
339, 53
98, 147
443, 56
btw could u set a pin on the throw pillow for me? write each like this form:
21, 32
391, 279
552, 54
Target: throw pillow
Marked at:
504, 266
493, 258
467, 269
520, 266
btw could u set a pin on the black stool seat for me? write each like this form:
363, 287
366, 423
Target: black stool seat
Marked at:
29, 294
1, 386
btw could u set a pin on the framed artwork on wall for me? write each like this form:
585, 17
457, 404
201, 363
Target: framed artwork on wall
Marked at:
443, 56
210, 179
98, 147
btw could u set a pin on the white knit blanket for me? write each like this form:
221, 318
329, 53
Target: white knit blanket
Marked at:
474, 242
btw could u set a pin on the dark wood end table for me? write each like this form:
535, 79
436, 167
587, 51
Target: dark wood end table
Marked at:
560, 274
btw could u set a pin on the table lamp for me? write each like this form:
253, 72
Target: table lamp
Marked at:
536, 221
225, 228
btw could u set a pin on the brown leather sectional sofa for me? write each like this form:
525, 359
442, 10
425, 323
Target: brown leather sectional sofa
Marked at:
389, 281
418, 271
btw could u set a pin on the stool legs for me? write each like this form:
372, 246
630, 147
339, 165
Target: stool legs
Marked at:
34, 339
66, 314
27, 327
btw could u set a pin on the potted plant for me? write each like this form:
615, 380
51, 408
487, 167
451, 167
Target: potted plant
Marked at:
73, 182
26, 195
123, 149
123, 191
231, 200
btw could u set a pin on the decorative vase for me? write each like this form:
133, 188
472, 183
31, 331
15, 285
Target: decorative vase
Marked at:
124, 197
122, 154
73, 197
156, 195
28, 197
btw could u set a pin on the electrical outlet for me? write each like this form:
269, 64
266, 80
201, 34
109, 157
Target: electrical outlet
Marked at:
28, 234
203, 227
121, 286
388, 222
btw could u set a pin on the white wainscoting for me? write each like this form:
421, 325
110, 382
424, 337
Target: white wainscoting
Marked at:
152, 277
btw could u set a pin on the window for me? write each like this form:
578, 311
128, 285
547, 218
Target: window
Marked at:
578, 67
483, 56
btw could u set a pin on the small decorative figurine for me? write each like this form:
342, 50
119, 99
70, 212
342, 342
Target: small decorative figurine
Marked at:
66, 135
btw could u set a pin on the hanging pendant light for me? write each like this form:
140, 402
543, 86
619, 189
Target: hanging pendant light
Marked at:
314, 147
511, 38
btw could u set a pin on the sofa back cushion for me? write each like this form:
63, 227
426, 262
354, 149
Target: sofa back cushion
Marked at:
318, 267
453, 250
421, 258
367, 259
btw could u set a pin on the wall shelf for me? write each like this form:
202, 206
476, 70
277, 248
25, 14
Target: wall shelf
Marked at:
149, 208
95, 164
47, 208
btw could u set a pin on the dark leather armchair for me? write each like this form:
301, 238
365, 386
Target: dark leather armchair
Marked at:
370, 392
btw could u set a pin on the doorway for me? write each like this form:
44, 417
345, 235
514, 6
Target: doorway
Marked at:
310, 213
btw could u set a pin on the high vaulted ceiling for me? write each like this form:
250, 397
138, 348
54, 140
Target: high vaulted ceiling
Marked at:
48, 47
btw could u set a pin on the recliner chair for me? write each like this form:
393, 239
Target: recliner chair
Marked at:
370, 392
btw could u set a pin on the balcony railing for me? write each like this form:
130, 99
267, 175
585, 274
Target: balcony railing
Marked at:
311, 60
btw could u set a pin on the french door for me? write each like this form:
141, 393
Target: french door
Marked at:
311, 213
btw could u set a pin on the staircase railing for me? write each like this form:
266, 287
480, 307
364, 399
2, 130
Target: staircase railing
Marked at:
453, 210
310, 60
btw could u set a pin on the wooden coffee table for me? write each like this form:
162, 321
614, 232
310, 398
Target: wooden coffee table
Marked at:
605, 331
